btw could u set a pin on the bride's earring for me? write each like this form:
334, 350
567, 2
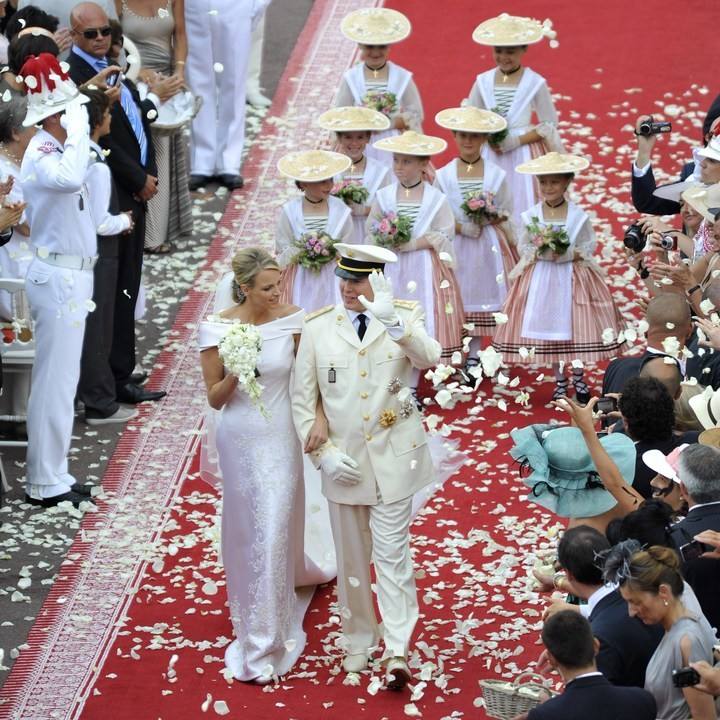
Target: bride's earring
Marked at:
238, 293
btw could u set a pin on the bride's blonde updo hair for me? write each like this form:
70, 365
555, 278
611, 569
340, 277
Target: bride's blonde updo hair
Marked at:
246, 266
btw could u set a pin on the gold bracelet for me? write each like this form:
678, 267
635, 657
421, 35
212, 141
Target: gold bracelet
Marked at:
180, 62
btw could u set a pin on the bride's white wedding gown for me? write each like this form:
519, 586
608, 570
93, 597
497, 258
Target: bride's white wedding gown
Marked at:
265, 550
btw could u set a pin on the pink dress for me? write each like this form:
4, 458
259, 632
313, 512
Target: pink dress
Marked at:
561, 307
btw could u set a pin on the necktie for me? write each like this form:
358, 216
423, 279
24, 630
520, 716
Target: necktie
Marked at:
131, 111
362, 325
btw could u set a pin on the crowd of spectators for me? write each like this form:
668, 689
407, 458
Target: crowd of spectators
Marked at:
636, 588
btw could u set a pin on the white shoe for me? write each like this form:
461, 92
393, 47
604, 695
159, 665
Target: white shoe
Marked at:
397, 674
255, 98
355, 663
121, 415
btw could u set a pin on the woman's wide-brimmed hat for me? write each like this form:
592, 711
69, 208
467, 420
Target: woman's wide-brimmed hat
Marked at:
412, 143
562, 476
662, 464
553, 163
471, 119
375, 26
706, 407
513, 31
313, 165
354, 119
704, 199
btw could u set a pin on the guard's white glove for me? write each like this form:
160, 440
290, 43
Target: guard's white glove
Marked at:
510, 143
340, 468
75, 119
471, 229
382, 306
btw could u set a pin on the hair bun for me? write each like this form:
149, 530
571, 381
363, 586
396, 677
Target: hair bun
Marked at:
666, 556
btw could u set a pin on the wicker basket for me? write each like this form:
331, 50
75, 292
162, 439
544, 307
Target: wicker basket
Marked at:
504, 700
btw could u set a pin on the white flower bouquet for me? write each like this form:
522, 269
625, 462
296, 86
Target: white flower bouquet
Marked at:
239, 350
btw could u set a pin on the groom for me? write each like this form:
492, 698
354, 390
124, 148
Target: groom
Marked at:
357, 357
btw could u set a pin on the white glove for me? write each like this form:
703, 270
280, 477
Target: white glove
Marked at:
511, 142
382, 306
471, 229
75, 119
340, 468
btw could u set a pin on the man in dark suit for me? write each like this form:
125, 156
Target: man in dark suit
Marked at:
643, 178
699, 473
626, 643
132, 163
668, 316
571, 649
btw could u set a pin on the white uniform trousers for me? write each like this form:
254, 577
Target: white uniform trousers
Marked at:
381, 533
58, 300
224, 37
255, 59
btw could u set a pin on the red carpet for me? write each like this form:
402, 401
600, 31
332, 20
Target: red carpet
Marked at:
474, 544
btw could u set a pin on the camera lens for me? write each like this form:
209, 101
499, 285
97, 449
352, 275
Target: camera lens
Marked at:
634, 239
667, 242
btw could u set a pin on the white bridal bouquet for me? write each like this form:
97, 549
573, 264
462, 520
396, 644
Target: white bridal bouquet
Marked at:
239, 350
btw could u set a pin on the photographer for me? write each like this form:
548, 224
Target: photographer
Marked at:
695, 279
651, 583
705, 169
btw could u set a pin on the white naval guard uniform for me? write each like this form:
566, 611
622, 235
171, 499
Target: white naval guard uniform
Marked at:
59, 286
217, 65
370, 519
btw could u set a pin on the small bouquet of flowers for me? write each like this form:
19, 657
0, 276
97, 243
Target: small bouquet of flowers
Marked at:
548, 237
384, 102
480, 207
351, 191
495, 139
239, 351
391, 229
314, 249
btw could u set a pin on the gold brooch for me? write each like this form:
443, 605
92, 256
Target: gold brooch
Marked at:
387, 418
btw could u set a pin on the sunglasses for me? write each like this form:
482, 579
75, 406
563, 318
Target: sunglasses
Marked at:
92, 33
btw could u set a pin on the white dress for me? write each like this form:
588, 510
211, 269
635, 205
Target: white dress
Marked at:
483, 263
375, 176
306, 288
531, 96
400, 82
263, 549
16, 254
436, 287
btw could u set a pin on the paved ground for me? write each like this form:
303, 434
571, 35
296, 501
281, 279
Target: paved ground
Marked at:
33, 543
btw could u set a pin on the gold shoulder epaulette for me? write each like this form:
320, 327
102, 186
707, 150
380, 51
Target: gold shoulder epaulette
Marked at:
407, 304
318, 313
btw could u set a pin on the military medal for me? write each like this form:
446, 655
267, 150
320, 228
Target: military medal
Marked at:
331, 375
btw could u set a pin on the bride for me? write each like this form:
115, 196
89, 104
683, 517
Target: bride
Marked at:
270, 572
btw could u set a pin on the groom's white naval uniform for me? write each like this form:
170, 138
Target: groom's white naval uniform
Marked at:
370, 506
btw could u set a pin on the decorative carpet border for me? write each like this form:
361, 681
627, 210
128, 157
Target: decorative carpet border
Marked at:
83, 612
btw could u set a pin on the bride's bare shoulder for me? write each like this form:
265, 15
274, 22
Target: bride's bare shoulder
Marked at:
286, 310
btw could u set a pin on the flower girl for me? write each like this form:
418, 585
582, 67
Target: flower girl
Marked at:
559, 308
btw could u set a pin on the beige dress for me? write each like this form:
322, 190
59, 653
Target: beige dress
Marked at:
169, 212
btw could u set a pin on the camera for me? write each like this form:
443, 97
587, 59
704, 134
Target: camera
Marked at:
693, 550
650, 127
685, 677
606, 405
634, 238
668, 241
